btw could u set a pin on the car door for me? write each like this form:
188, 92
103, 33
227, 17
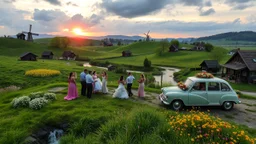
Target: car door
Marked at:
198, 94
214, 93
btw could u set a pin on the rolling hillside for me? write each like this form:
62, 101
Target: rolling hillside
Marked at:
248, 36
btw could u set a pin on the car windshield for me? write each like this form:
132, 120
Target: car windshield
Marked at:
188, 83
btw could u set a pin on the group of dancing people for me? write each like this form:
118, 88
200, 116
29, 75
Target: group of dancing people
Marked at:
91, 83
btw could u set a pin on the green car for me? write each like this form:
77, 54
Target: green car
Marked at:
200, 92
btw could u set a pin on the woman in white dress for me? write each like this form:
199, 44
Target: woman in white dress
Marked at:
104, 82
121, 92
97, 82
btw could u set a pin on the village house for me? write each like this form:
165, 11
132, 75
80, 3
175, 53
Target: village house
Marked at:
199, 47
241, 67
47, 55
126, 53
211, 66
173, 48
21, 36
69, 55
28, 56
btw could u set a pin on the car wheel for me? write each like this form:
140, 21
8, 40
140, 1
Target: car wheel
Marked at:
177, 105
227, 105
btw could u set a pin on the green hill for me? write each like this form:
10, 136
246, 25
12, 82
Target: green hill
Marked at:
249, 36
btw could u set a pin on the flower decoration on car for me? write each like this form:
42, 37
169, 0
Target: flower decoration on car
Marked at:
182, 86
204, 75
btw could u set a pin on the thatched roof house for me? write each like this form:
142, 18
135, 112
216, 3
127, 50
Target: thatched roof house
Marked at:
173, 48
69, 55
28, 56
126, 53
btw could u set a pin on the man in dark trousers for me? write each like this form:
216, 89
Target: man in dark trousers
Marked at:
129, 81
89, 82
83, 82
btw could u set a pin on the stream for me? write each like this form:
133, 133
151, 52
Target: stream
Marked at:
167, 74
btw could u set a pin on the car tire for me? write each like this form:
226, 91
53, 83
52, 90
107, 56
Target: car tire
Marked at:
177, 105
227, 105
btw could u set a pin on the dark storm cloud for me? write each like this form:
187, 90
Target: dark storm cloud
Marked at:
133, 8
207, 12
53, 2
191, 2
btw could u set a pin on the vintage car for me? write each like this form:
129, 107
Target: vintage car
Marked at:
200, 92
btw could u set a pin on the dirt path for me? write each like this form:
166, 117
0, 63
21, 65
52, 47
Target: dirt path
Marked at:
249, 93
244, 113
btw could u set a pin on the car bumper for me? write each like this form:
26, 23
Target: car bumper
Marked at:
162, 99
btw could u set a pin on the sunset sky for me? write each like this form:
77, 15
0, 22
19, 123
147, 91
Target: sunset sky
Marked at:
164, 18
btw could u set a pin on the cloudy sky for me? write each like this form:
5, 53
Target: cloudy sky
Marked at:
164, 18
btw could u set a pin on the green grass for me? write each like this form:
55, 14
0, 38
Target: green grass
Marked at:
244, 87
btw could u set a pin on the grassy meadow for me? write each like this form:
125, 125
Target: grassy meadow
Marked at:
103, 119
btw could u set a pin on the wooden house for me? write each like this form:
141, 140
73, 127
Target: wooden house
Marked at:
211, 66
199, 47
28, 56
69, 55
111, 67
241, 67
47, 55
21, 36
126, 53
173, 48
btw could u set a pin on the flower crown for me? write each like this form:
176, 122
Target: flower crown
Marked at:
204, 75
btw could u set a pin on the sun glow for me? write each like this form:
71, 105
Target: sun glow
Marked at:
79, 31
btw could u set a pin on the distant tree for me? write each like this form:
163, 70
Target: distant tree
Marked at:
119, 43
60, 42
147, 63
208, 47
175, 42
164, 46
140, 40
218, 53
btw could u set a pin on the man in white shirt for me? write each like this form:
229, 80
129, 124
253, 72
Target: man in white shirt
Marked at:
129, 81
89, 82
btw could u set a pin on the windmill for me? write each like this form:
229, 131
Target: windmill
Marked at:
29, 34
147, 36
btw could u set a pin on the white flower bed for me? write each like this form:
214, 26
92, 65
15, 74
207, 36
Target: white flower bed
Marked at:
35, 100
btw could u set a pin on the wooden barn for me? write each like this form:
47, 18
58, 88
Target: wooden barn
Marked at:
126, 53
69, 55
21, 36
241, 67
211, 66
173, 48
47, 55
28, 56
111, 67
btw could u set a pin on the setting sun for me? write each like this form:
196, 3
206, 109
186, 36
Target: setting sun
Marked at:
78, 31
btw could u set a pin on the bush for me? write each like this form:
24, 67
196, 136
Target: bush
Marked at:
121, 70
34, 95
42, 73
37, 103
20, 102
50, 96
147, 63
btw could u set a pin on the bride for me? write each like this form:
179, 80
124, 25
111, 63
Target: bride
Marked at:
121, 92
97, 85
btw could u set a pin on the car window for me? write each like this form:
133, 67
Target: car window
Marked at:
213, 86
199, 86
224, 87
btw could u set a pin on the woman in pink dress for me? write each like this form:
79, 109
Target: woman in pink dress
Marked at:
72, 89
141, 86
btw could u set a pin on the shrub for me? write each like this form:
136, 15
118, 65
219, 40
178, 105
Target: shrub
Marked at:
147, 63
50, 96
20, 102
42, 73
34, 95
37, 103
121, 70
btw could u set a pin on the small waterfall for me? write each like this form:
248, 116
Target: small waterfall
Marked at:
54, 136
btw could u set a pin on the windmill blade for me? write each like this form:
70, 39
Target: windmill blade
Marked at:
148, 32
35, 34
145, 34
30, 28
